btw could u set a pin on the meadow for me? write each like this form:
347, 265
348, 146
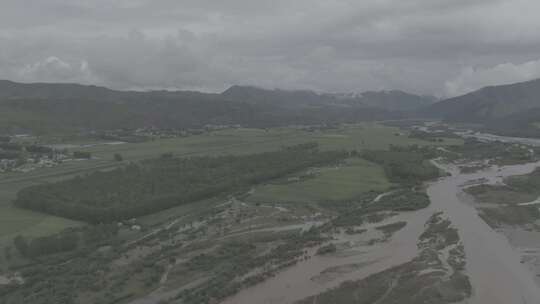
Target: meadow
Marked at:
247, 141
348, 180
14, 221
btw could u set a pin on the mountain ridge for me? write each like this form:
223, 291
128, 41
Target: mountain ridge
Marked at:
489, 102
48, 107
509, 109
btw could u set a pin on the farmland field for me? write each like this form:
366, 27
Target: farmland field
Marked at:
354, 177
247, 141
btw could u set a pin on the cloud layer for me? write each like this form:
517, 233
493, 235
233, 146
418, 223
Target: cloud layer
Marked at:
436, 47
471, 79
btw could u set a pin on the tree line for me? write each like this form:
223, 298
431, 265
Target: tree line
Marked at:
406, 165
156, 184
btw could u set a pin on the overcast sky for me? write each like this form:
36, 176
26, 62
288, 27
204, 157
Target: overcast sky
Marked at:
440, 47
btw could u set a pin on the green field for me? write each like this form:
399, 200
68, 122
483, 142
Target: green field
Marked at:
247, 141
333, 184
354, 177
14, 221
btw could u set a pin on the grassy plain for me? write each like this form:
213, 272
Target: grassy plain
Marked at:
354, 177
247, 141
14, 221
511, 204
504, 195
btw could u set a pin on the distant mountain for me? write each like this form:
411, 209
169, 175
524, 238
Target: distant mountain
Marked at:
396, 100
10, 90
48, 107
507, 109
386, 100
15, 90
289, 99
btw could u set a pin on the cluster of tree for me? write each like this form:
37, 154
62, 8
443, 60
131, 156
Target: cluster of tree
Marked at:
39, 149
66, 269
32, 248
364, 209
96, 235
53, 281
428, 136
10, 155
11, 150
401, 200
526, 184
82, 155
11, 146
118, 157
152, 185
408, 165
130, 138
88, 273
504, 153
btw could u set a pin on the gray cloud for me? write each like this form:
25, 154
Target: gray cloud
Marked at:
437, 47
471, 78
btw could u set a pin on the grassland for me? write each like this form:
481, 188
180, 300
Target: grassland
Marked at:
510, 216
14, 221
354, 177
247, 141
496, 194
329, 185
507, 204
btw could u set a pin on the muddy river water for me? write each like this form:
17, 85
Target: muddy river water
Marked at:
356, 260
493, 265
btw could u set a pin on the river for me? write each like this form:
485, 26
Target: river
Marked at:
493, 265
356, 261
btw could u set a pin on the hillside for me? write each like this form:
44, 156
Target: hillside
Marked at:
489, 102
512, 109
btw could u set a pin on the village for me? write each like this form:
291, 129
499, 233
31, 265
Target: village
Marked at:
16, 156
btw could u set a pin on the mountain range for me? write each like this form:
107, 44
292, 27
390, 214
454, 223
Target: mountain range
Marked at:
512, 109
51, 107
